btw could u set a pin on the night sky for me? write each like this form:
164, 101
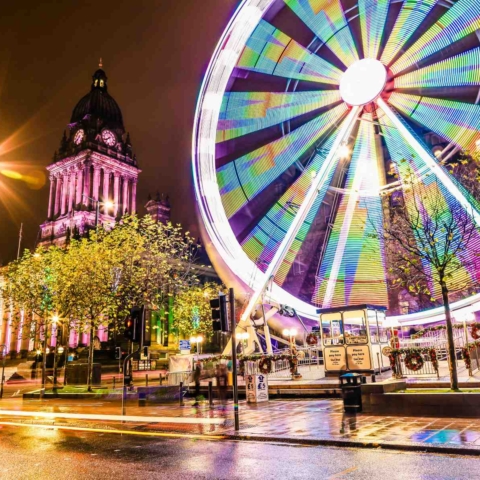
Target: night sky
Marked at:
154, 52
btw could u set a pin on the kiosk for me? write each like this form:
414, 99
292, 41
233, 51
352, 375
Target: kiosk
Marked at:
352, 339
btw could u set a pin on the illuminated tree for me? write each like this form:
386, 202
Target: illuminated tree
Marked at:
192, 312
432, 243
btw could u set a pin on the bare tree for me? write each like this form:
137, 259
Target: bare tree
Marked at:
432, 244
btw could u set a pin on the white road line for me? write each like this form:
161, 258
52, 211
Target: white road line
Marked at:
114, 418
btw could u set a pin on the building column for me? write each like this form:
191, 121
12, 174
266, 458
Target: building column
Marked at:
78, 200
96, 182
51, 197
124, 196
63, 206
86, 185
71, 192
116, 193
134, 196
106, 187
58, 193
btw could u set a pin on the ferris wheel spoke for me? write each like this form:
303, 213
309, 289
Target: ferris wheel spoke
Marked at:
455, 121
243, 179
353, 267
410, 138
460, 20
373, 15
271, 51
436, 200
303, 210
458, 71
327, 21
246, 112
263, 241
411, 16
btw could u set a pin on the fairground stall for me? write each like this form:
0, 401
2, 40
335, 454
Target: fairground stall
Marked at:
352, 339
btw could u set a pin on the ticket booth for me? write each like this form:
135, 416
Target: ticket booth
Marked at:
352, 339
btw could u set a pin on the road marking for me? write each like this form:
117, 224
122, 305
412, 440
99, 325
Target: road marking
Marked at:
115, 418
342, 473
123, 432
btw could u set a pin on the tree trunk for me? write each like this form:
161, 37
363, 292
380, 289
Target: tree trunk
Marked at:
44, 361
90, 358
452, 365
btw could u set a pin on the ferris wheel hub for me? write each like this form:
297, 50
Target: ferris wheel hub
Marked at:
363, 82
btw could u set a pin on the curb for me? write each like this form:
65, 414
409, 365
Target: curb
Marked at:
413, 447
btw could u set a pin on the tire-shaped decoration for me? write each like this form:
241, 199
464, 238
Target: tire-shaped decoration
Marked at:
475, 331
307, 108
312, 339
414, 361
265, 365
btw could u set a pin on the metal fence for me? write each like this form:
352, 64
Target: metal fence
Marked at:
427, 367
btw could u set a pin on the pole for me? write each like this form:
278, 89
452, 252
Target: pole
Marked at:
4, 354
19, 240
97, 214
124, 391
44, 362
234, 357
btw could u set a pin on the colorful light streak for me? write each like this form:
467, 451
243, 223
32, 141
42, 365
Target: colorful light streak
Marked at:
244, 178
353, 268
462, 19
458, 71
247, 112
327, 21
411, 16
373, 15
272, 52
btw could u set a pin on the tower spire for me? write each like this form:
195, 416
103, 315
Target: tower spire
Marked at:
100, 63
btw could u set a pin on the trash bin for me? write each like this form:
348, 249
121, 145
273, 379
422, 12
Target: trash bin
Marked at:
351, 385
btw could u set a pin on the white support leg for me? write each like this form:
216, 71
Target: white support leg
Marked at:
303, 211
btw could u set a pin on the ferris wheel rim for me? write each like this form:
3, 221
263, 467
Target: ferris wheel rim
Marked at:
225, 243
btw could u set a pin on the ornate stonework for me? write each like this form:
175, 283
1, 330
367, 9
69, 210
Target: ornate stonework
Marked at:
94, 165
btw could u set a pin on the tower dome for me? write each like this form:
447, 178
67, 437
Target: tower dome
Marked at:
99, 103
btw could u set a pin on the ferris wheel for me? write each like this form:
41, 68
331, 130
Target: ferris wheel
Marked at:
306, 107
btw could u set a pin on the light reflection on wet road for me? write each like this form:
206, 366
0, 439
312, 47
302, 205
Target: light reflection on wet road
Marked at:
29, 453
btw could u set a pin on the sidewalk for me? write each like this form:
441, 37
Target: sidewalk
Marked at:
313, 422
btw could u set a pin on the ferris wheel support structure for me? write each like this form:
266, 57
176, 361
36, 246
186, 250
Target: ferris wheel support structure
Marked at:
317, 184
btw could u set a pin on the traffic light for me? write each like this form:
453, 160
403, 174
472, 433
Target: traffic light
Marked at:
129, 331
137, 326
219, 314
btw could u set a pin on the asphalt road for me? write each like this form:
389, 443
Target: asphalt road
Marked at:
38, 453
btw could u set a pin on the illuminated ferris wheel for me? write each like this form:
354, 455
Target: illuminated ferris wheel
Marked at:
306, 108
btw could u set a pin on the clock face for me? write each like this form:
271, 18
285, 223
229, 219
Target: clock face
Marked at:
109, 138
79, 136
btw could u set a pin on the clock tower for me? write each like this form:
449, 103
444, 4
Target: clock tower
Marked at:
93, 177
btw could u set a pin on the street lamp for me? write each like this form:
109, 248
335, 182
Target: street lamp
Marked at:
108, 204
198, 340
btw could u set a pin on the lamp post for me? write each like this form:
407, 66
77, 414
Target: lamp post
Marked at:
2, 380
107, 203
58, 350
291, 333
198, 340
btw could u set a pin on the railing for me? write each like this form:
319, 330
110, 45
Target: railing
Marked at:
281, 368
427, 367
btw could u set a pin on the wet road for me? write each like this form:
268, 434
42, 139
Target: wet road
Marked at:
37, 453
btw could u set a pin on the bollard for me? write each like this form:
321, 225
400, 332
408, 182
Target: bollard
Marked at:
146, 379
160, 379
374, 379
364, 379
181, 394
210, 394
114, 382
